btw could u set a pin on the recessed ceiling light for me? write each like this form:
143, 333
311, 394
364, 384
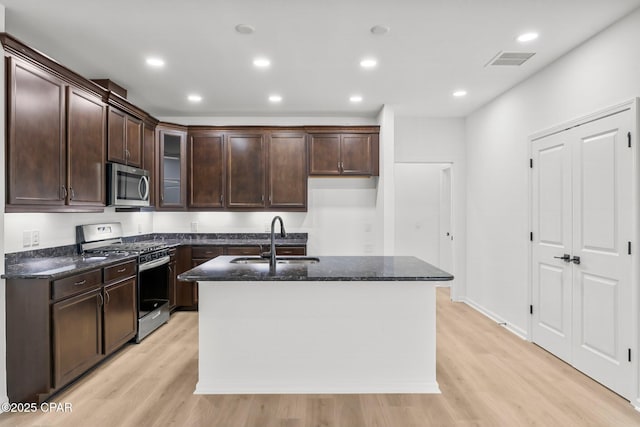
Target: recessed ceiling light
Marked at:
368, 63
355, 98
527, 37
155, 62
245, 29
194, 98
261, 62
275, 98
379, 30
460, 93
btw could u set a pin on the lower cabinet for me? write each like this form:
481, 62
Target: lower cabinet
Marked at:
57, 330
77, 335
120, 318
186, 292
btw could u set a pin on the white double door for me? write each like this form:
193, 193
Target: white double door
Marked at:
582, 217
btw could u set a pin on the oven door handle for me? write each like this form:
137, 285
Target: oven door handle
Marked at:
153, 264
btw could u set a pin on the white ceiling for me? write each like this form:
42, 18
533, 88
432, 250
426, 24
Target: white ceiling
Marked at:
433, 48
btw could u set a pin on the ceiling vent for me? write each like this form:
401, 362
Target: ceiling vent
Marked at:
510, 58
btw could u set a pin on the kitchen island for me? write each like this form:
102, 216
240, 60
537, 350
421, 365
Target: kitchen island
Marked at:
318, 325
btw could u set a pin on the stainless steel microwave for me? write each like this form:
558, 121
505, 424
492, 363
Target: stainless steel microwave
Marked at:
127, 186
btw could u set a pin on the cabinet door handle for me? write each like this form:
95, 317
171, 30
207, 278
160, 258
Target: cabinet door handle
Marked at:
64, 192
108, 296
73, 193
221, 199
122, 270
101, 300
127, 154
80, 283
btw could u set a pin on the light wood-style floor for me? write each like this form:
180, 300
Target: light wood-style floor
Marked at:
488, 377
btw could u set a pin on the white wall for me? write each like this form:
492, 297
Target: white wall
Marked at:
59, 229
602, 72
417, 222
440, 140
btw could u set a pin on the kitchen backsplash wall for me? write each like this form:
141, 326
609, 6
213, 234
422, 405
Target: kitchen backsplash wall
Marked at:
341, 220
59, 229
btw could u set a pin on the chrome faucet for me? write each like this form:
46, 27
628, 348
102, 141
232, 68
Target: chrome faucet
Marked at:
283, 233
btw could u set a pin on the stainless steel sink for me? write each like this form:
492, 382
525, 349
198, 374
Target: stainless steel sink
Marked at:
279, 260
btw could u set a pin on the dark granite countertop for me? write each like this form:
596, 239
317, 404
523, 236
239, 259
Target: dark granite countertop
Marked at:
329, 268
56, 267
54, 263
234, 242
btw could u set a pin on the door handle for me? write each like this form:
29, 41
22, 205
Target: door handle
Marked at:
575, 260
566, 258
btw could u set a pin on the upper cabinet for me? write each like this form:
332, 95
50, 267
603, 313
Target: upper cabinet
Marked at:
343, 154
55, 147
247, 169
245, 175
125, 138
172, 167
206, 170
86, 121
287, 171
149, 157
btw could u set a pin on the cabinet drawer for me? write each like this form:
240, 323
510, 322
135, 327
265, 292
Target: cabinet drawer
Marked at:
119, 271
207, 252
75, 284
243, 250
291, 250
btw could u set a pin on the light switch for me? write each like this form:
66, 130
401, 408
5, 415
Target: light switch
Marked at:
26, 239
35, 237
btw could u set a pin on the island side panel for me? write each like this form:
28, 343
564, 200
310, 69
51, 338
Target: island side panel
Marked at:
317, 337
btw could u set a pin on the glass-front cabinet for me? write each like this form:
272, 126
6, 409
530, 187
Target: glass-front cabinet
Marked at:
173, 168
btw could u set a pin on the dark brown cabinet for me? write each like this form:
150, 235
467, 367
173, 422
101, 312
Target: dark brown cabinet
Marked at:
85, 148
149, 158
57, 330
36, 148
125, 138
56, 143
343, 154
206, 170
120, 318
172, 278
186, 292
245, 156
172, 169
77, 335
287, 171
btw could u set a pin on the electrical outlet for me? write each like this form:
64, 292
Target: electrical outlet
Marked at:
35, 237
139, 228
267, 227
194, 227
26, 239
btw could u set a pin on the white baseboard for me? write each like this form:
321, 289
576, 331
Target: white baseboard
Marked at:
243, 387
491, 315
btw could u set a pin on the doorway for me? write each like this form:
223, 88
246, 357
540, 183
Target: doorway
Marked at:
424, 213
582, 212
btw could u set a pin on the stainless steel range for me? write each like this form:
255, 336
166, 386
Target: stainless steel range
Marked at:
153, 264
